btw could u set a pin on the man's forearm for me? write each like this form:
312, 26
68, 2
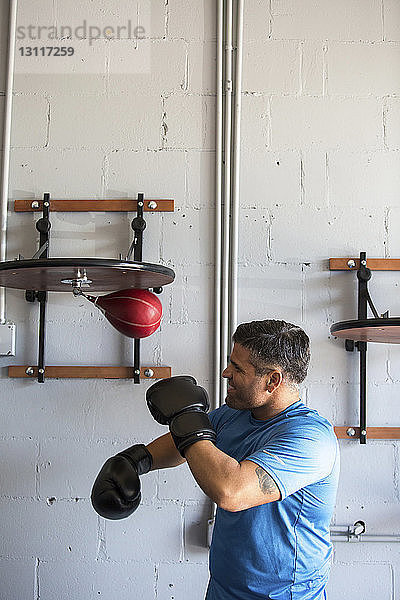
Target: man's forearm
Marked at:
164, 453
215, 472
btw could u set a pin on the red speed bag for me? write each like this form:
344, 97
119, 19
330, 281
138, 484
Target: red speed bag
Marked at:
135, 313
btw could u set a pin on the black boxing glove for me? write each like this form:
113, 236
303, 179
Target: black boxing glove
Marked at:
116, 491
182, 404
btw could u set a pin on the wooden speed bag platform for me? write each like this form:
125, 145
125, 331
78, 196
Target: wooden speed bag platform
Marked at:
41, 274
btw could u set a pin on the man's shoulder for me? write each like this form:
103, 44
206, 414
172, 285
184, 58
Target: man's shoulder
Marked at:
307, 421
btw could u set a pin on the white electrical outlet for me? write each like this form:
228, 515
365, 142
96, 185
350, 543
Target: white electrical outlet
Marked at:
7, 339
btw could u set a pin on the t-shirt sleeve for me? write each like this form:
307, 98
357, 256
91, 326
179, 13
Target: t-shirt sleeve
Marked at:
298, 457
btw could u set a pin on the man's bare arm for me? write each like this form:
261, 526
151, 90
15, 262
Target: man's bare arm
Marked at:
164, 453
232, 485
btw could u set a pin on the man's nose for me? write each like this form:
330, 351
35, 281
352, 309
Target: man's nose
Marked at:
226, 372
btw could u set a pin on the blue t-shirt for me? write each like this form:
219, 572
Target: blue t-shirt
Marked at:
280, 550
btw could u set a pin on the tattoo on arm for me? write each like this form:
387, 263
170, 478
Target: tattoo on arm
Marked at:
266, 483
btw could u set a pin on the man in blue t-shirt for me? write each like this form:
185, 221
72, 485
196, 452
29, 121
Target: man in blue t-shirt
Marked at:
270, 463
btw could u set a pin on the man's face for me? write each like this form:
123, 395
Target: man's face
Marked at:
246, 390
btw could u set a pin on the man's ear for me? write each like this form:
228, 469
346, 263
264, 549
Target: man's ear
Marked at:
274, 380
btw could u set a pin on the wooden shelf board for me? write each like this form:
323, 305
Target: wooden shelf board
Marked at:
114, 205
374, 264
92, 372
373, 433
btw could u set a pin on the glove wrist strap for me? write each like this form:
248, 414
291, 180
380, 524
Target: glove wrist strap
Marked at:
139, 457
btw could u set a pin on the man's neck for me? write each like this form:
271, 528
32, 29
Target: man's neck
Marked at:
274, 407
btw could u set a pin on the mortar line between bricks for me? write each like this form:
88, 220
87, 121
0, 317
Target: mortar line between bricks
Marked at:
37, 472
269, 238
48, 117
393, 582
270, 19
185, 81
302, 176
161, 240
156, 577
386, 226
182, 552
107, 73
396, 471
166, 18
384, 114
269, 121
312, 39
37, 580
102, 539
324, 71
387, 367
327, 182
301, 66
186, 178
164, 125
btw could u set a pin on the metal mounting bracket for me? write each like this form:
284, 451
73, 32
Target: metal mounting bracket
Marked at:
43, 226
142, 275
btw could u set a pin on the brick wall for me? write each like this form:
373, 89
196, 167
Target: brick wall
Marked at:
319, 178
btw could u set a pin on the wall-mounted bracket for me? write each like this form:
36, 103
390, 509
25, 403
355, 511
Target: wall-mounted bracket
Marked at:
359, 332
348, 432
350, 345
99, 274
43, 226
114, 205
138, 225
88, 372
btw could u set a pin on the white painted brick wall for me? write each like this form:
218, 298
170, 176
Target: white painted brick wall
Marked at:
190, 122
257, 20
18, 578
326, 123
191, 20
178, 581
319, 178
271, 67
16, 453
255, 128
97, 579
391, 20
30, 121
392, 122
371, 69
361, 578
321, 19
131, 122
312, 74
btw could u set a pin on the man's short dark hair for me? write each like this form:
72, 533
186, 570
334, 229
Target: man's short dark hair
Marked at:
276, 344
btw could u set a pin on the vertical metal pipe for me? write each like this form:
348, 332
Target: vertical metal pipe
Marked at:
7, 146
218, 208
225, 343
236, 171
227, 275
219, 150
